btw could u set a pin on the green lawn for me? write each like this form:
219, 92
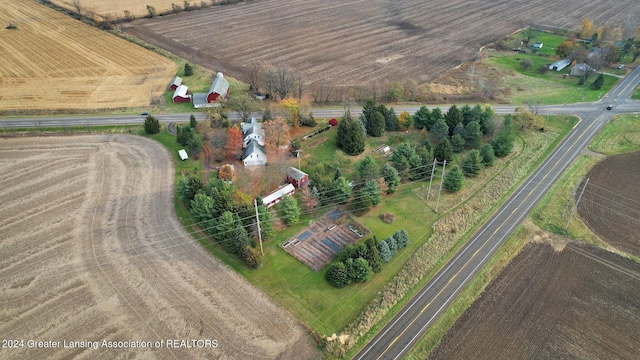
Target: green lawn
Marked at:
621, 135
549, 88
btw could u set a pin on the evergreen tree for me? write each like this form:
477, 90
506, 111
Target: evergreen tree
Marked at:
372, 191
466, 112
426, 163
251, 257
201, 207
376, 124
342, 190
488, 155
459, 129
192, 122
472, 164
337, 275
238, 239
472, 135
337, 174
440, 129
368, 109
183, 189
390, 119
360, 270
223, 231
362, 202
486, 124
366, 168
402, 238
385, 252
436, 114
267, 230
350, 138
453, 179
443, 151
597, 84
393, 245
427, 145
421, 117
290, 210
373, 254
188, 69
457, 143
151, 125
503, 143
453, 118
391, 178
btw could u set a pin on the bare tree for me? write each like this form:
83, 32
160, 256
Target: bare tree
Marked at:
299, 84
528, 35
245, 105
276, 132
534, 106
255, 75
488, 86
76, 5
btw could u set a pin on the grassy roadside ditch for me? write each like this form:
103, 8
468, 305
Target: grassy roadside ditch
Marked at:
442, 244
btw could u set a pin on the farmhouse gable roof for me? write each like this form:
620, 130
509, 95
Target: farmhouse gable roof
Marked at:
219, 86
295, 174
181, 91
253, 148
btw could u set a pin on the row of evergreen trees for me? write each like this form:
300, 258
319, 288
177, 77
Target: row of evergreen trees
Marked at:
357, 263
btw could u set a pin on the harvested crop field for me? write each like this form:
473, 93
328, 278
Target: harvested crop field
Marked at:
91, 250
117, 7
580, 302
359, 42
53, 62
610, 205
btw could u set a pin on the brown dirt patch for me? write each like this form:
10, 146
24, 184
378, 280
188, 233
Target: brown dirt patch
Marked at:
54, 62
91, 249
610, 205
579, 303
359, 42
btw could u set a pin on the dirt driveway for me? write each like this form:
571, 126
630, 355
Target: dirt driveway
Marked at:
91, 251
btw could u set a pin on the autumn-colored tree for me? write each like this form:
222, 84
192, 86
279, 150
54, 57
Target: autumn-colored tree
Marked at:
587, 29
404, 121
566, 48
233, 147
226, 173
309, 200
276, 132
293, 112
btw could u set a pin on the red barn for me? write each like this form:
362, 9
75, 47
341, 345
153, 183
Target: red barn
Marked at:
219, 88
296, 177
176, 83
181, 94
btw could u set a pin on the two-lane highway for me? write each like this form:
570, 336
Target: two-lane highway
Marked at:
401, 333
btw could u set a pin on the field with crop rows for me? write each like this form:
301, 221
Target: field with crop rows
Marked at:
359, 42
91, 250
53, 62
117, 7
566, 301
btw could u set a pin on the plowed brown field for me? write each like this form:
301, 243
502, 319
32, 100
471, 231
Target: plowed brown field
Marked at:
610, 205
53, 62
579, 303
91, 250
359, 42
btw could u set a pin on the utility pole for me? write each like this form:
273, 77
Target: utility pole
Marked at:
572, 196
576, 204
298, 156
441, 181
433, 170
255, 202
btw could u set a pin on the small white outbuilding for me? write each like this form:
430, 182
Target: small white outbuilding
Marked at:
183, 154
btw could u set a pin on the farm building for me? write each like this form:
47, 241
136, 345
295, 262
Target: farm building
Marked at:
254, 154
183, 154
219, 89
559, 65
252, 131
580, 69
181, 94
177, 81
536, 45
277, 195
297, 177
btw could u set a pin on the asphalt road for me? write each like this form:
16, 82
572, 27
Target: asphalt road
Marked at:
402, 332
397, 338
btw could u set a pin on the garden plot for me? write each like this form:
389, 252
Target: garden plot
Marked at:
317, 244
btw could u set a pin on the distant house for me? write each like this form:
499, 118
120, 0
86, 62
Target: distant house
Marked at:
277, 195
254, 155
177, 81
559, 65
297, 177
181, 94
580, 69
536, 45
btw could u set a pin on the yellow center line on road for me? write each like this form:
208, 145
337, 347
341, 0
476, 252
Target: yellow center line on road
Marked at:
424, 308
